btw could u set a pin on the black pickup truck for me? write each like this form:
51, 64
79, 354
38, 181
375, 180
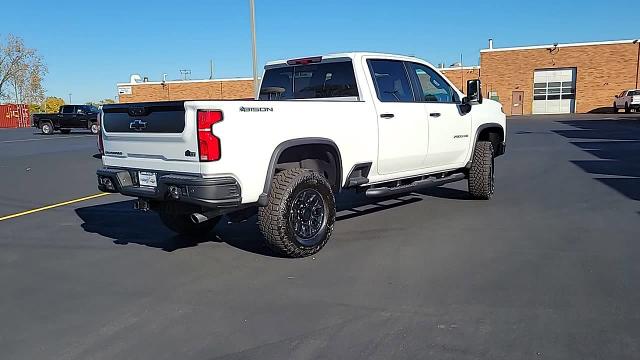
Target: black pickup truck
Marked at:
68, 117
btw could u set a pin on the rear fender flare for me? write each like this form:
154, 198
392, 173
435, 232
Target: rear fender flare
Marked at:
271, 170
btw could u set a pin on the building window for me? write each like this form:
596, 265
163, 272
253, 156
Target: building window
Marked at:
553, 90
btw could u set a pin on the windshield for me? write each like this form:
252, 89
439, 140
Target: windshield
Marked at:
328, 80
634, 93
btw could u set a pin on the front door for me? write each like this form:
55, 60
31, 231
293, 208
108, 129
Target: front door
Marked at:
403, 130
516, 102
449, 129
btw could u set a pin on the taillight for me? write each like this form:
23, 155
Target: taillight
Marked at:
208, 143
100, 140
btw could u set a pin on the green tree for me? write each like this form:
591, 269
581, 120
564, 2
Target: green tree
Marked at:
107, 101
101, 102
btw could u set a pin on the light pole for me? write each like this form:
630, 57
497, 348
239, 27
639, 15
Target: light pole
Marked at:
253, 45
70, 98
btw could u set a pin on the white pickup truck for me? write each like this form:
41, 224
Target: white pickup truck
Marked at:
627, 100
375, 123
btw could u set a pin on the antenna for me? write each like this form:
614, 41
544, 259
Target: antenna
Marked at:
185, 74
211, 69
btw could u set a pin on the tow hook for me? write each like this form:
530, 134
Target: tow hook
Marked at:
141, 204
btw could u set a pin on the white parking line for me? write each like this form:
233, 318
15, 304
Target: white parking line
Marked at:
47, 138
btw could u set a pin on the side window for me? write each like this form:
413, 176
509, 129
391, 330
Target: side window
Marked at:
432, 87
80, 110
67, 109
390, 78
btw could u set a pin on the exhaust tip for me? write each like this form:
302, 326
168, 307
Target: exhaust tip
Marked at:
197, 218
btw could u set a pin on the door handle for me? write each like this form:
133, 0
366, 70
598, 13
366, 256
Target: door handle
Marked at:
434, 114
386, 116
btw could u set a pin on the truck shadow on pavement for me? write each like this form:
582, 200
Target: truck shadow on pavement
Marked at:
616, 144
122, 224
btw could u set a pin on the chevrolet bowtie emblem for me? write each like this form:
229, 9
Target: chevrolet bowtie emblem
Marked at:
138, 125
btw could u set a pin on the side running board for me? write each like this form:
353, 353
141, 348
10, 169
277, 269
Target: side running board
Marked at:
416, 185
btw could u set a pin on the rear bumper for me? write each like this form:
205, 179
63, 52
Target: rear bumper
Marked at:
212, 192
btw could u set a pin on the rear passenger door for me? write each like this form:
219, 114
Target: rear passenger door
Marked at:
449, 129
403, 132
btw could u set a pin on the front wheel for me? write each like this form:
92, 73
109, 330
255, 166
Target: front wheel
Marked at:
627, 109
298, 219
615, 108
177, 218
482, 172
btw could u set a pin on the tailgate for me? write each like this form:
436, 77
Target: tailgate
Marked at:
156, 136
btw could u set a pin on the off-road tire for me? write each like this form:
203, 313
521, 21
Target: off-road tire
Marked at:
46, 127
94, 128
615, 108
481, 174
65, 131
276, 219
176, 217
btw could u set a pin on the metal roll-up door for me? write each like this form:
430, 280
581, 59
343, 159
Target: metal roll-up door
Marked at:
554, 91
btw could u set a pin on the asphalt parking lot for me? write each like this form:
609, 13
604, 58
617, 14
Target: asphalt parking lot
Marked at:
548, 269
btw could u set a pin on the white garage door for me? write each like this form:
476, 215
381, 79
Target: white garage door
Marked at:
554, 91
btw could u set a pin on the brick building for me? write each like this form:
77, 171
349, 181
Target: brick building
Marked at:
135, 91
560, 78
460, 75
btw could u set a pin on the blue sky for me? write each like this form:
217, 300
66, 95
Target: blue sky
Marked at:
90, 46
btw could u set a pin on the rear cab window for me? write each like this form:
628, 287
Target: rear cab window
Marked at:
331, 79
67, 109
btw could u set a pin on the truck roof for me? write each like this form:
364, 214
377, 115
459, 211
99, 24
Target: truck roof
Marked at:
352, 55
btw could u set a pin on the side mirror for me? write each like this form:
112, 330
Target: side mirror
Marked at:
474, 92
617, 96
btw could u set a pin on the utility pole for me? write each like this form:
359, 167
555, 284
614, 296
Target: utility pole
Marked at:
637, 41
211, 69
462, 73
70, 102
253, 44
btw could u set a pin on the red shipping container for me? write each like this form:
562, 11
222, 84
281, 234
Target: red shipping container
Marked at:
14, 116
